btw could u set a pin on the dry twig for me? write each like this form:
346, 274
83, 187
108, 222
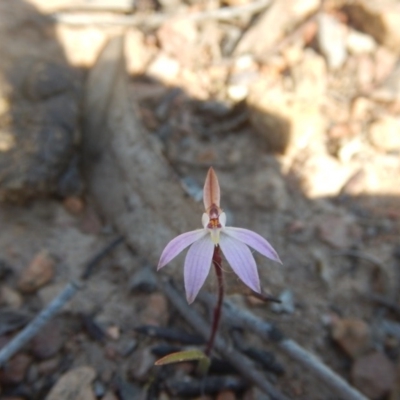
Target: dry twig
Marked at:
156, 19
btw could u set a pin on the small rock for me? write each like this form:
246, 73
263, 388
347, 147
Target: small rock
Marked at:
91, 222
113, 332
74, 384
352, 335
10, 297
287, 303
127, 390
365, 72
37, 274
178, 37
126, 346
332, 40
380, 19
48, 342
356, 184
322, 264
384, 133
15, 370
142, 361
192, 188
226, 395
137, 53
48, 367
361, 109
109, 396
322, 175
360, 43
338, 231
374, 375
156, 310
99, 389
74, 205
143, 280
164, 68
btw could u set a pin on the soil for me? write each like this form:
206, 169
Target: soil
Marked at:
328, 201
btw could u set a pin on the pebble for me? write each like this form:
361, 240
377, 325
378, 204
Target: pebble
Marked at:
380, 19
74, 384
74, 205
361, 108
338, 231
374, 375
109, 396
332, 40
360, 43
352, 335
164, 68
226, 395
90, 222
322, 175
38, 273
113, 332
287, 303
137, 53
142, 361
126, 346
48, 342
15, 370
10, 297
99, 388
48, 367
156, 310
384, 133
143, 280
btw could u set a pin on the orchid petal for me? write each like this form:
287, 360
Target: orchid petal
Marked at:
211, 192
222, 219
205, 219
178, 244
241, 260
197, 266
255, 241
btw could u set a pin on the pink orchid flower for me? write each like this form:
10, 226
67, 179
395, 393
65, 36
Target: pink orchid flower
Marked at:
232, 241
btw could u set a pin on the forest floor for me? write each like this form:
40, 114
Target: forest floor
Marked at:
296, 105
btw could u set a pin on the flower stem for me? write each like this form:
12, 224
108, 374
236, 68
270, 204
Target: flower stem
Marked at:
217, 261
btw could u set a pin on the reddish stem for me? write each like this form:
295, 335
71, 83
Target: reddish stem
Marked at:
217, 262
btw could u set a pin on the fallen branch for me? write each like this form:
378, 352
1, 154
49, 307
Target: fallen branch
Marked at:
156, 19
241, 363
38, 322
234, 316
24, 336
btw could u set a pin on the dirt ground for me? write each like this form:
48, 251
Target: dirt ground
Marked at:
296, 105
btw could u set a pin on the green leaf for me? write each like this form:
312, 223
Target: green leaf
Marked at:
187, 355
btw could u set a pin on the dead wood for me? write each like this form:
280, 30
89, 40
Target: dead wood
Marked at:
128, 177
